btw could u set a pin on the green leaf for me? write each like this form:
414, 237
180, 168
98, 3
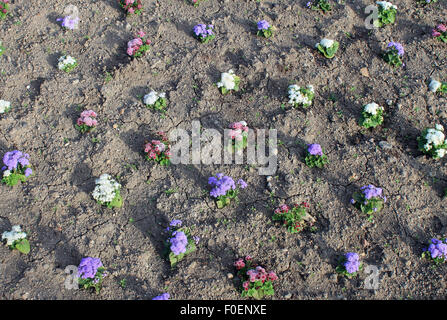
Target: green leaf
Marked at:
23, 246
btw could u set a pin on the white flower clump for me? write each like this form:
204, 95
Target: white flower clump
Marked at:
4, 106
434, 85
386, 5
227, 80
65, 61
13, 235
372, 108
326, 43
435, 137
152, 97
105, 189
296, 97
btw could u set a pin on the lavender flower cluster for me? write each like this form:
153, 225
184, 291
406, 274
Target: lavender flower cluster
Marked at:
371, 191
164, 296
352, 263
16, 160
438, 249
397, 46
315, 149
89, 267
222, 184
204, 32
178, 242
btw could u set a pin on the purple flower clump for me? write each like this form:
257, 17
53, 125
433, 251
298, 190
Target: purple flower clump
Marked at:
398, 47
69, 22
315, 149
438, 249
263, 25
164, 296
88, 267
371, 191
178, 242
12, 158
352, 262
221, 184
202, 30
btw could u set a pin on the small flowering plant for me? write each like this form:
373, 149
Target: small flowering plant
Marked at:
349, 265
328, 47
5, 106
387, 13
264, 29
228, 81
322, 5
372, 115
131, 6
224, 189
16, 167
164, 296
436, 85
91, 273
69, 22
4, 8
138, 46
432, 142
86, 122
107, 192
315, 156
296, 219
158, 150
369, 200
203, 32
436, 251
16, 239
238, 135
156, 101
301, 96
180, 242
256, 282
67, 63
393, 54
440, 32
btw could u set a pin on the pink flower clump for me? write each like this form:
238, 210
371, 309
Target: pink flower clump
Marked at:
134, 45
239, 264
260, 274
158, 147
87, 118
237, 129
441, 28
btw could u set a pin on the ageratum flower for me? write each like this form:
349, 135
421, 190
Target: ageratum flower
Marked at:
202, 30
438, 249
88, 267
315, 149
69, 22
352, 263
263, 25
178, 242
11, 159
4, 106
13, 235
164, 296
397, 46
371, 191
